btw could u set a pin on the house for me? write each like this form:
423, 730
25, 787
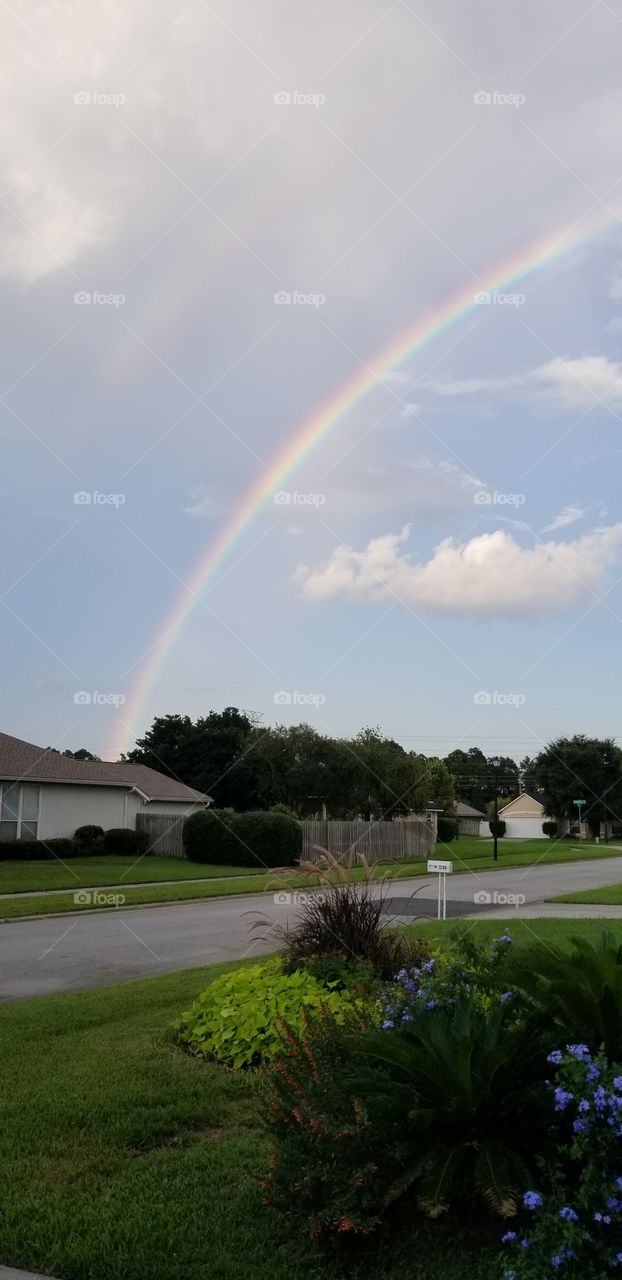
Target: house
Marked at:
43, 794
470, 819
524, 816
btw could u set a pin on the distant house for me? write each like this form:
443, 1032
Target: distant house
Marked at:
469, 819
43, 794
524, 816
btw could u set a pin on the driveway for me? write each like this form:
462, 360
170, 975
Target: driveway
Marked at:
73, 953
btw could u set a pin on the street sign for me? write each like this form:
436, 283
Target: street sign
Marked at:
578, 802
444, 869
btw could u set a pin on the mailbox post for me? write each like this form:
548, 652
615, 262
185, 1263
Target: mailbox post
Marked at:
444, 868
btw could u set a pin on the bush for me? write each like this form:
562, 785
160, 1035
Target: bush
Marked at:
274, 839
242, 1018
550, 829
207, 837
497, 827
224, 838
123, 840
574, 1227
90, 838
447, 829
38, 850
341, 919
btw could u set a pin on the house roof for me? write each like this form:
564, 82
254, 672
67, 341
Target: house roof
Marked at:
462, 810
23, 761
536, 796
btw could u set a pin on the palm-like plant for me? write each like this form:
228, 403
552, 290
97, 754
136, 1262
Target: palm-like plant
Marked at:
578, 992
469, 1083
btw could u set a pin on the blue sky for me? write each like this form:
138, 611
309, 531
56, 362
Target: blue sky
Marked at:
150, 168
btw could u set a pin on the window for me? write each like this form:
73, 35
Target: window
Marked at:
19, 811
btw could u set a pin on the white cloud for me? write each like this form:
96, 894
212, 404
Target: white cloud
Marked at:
568, 515
489, 575
575, 382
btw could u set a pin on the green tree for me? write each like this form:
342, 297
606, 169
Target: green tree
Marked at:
213, 754
474, 776
581, 768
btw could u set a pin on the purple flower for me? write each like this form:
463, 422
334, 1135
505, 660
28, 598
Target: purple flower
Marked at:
584, 1105
555, 1057
580, 1052
556, 1260
614, 1204
431, 1004
505, 937
507, 995
568, 1214
602, 1217
617, 1082
429, 965
387, 1024
508, 1237
619, 1184
532, 1200
580, 1126
562, 1098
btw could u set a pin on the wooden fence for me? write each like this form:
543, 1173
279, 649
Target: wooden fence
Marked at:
376, 840
164, 831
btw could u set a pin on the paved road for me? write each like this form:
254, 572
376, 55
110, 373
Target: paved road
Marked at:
74, 953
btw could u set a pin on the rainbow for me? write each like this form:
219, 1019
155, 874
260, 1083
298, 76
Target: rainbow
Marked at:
305, 439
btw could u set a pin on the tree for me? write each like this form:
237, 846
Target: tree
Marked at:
581, 768
474, 776
213, 754
81, 754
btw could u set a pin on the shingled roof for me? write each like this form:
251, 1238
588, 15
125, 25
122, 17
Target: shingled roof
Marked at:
24, 762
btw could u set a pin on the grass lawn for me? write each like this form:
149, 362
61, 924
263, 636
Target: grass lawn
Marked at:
20, 877
121, 1158
467, 855
611, 895
558, 932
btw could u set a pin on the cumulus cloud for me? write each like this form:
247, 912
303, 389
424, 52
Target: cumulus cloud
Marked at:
568, 515
492, 574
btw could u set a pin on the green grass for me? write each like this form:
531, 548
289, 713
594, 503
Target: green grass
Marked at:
121, 1157
20, 877
557, 932
466, 855
611, 895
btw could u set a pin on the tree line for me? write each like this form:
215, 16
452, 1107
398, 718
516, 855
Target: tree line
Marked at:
245, 765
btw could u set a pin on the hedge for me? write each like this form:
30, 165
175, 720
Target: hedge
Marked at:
223, 838
122, 840
38, 850
447, 829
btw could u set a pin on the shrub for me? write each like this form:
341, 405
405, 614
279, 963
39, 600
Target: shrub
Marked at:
123, 840
341, 919
497, 827
447, 829
90, 838
241, 1019
274, 840
578, 993
465, 966
550, 829
207, 837
333, 1158
574, 1227
38, 850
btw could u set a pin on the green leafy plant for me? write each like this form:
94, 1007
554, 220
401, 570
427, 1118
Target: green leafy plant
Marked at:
550, 828
224, 838
468, 1084
497, 827
241, 1019
577, 992
38, 850
123, 840
90, 838
447, 828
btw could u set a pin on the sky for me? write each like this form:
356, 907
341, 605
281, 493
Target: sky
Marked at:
214, 220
